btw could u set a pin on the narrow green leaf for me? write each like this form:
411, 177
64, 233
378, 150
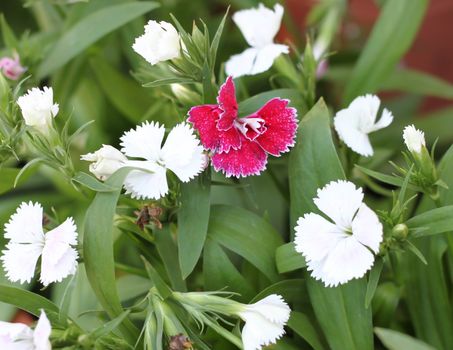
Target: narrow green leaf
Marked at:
341, 311
288, 259
109, 326
193, 219
167, 250
373, 280
391, 37
89, 30
168, 81
413, 248
303, 327
220, 273
394, 340
11, 177
163, 289
388, 179
435, 221
216, 40
32, 303
98, 251
246, 234
92, 183
124, 93
9, 38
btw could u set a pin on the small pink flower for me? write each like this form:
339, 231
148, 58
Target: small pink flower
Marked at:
240, 145
11, 67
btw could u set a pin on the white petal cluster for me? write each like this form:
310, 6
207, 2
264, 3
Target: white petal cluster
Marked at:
264, 322
160, 42
18, 336
105, 161
259, 27
414, 139
339, 249
28, 242
354, 123
38, 108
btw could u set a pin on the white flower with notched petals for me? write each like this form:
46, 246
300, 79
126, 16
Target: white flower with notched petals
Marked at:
38, 108
339, 249
414, 139
27, 242
354, 123
105, 161
181, 153
160, 42
18, 336
259, 27
264, 322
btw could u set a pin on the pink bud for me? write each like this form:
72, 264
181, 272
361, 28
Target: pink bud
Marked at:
11, 67
321, 70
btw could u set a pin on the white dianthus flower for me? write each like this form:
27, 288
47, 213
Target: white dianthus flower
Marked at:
353, 124
27, 242
339, 249
414, 139
38, 108
105, 161
259, 26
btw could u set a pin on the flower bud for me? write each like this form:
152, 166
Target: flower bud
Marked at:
160, 42
38, 108
11, 67
105, 161
400, 231
414, 139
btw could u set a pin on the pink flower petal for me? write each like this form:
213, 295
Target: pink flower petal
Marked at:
250, 159
281, 124
227, 102
204, 119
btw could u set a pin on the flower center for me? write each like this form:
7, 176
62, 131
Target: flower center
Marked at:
250, 127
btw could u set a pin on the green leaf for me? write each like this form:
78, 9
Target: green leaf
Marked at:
394, 340
92, 183
220, 272
388, 179
109, 326
168, 81
90, 29
167, 250
254, 103
391, 37
98, 251
8, 177
32, 303
125, 94
9, 38
246, 234
303, 327
288, 259
163, 289
193, 219
313, 163
432, 222
415, 82
373, 280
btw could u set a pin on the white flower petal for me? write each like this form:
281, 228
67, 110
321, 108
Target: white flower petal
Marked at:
259, 25
143, 142
148, 184
414, 139
339, 200
182, 153
15, 336
105, 161
367, 228
258, 331
254, 61
59, 259
241, 64
348, 260
272, 307
160, 42
42, 332
38, 108
385, 120
25, 226
19, 261
348, 129
316, 237
353, 124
